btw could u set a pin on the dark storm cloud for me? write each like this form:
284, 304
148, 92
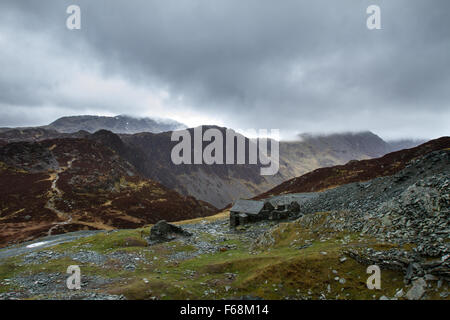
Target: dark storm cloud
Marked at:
294, 65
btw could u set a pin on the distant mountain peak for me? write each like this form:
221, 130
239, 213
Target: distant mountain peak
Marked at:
117, 124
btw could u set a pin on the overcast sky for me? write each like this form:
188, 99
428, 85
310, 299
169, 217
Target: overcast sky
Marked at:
300, 66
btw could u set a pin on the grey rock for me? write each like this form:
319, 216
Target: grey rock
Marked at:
400, 293
163, 232
418, 289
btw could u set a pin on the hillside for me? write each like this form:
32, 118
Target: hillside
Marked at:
220, 185
398, 222
61, 185
223, 184
355, 171
91, 124
117, 124
317, 151
36, 134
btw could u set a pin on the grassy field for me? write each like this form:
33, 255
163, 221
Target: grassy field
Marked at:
296, 263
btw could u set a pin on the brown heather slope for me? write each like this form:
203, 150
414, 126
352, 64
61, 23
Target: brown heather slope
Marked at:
63, 185
36, 134
222, 184
355, 171
219, 185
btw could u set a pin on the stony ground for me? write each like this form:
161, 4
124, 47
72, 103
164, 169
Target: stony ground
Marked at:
111, 260
400, 223
411, 207
301, 259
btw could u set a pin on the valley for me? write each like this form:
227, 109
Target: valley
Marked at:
399, 222
225, 159
220, 185
92, 199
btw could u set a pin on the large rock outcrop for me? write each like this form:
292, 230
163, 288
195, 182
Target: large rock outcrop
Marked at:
163, 232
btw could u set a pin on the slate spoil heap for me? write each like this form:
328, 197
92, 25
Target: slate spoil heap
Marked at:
410, 209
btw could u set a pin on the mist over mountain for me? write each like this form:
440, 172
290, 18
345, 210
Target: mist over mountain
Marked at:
356, 171
401, 144
225, 150
150, 154
222, 184
117, 124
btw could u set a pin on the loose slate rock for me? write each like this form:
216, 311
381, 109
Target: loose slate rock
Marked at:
418, 289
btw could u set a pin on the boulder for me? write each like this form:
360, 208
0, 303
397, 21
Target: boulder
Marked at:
163, 232
418, 289
412, 270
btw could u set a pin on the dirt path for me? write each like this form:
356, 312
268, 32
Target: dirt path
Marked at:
57, 193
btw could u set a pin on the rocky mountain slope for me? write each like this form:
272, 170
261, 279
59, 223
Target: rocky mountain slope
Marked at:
409, 210
36, 134
317, 151
398, 222
355, 171
117, 124
216, 184
223, 184
61, 185
220, 185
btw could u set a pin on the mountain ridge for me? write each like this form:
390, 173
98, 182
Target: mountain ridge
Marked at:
61, 185
220, 185
355, 171
398, 223
116, 124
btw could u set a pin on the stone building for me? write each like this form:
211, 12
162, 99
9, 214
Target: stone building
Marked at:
247, 211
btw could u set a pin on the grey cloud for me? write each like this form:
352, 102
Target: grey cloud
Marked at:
294, 65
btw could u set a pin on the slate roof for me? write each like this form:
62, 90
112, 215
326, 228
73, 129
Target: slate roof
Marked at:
248, 206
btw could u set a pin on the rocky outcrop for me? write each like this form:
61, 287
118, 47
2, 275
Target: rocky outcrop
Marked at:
30, 157
163, 232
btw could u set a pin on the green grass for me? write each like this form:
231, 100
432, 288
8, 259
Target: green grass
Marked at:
271, 272
106, 242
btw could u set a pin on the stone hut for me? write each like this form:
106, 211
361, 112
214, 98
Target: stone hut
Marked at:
245, 211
